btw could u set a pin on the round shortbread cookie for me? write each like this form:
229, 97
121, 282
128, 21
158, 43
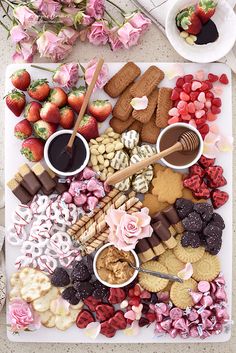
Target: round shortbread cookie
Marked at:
171, 262
187, 254
152, 283
207, 268
180, 293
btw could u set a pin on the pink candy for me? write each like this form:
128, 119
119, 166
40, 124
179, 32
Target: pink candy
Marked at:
203, 286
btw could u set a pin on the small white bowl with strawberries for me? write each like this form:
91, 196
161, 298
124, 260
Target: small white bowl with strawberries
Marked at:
201, 30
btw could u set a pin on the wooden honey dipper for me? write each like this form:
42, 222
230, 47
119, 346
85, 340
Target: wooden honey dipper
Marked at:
188, 141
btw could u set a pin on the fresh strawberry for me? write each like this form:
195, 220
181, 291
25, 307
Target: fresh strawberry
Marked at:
43, 129
15, 101
21, 79
32, 111
50, 113
205, 9
189, 21
224, 79
76, 98
32, 149
66, 117
100, 109
88, 127
39, 90
58, 96
23, 130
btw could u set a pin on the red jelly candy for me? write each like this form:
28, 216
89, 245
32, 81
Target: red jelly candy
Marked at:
206, 162
84, 318
174, 94
214, 173
194, 95
118, 321
217, 102
224, 79
107, 329
180, 82
193, 183
204, 129
215, 110
104, 312
134, 301
197, 170
219, 198
187, 87
92, 302
188, 78
212, 77
117, 295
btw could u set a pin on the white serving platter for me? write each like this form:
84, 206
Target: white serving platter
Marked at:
13, 160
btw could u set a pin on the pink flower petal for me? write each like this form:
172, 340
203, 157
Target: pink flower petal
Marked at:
92, 330
225, 144
187, 272
174, 70
133, 330
139, 103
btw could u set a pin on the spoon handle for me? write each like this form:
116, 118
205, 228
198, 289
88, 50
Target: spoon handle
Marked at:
160, 275
134, 168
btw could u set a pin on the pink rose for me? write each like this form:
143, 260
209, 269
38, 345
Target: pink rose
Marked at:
18, 34
128, 35
48, 8
126, 229
98, 33
47, 43
103, 76
61, 52
68, 14
95, 8
66, 75
68, 35
87, 20
25, 16
140, 21
114, 40
21, 316
25, 52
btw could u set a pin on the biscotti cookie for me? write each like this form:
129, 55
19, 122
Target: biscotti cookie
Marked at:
120, 126
122, 79
136, 126
123, 109
147, 82
150, 131
164, 104
145, 115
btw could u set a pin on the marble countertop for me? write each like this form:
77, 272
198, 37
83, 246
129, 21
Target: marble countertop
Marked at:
154, 47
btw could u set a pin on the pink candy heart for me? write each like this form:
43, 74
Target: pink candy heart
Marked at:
173, 112
200, 113
196, 85
130, 315
198, 105
201, 97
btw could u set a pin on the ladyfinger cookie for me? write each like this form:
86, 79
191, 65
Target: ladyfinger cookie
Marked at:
147, 82
123, 109
145, 115
122, 79
164, 104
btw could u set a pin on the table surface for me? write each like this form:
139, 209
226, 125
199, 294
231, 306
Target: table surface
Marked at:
159, 50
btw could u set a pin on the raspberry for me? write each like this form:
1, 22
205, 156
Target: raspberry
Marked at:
212, 77
137, 290
224, 79
60, 277
69, 294
134, 301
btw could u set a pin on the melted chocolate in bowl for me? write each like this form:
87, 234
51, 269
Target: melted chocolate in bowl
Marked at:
56, 155
169, 138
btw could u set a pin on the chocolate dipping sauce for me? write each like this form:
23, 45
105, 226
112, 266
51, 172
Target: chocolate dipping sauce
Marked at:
169, 138
208, 34
56, 154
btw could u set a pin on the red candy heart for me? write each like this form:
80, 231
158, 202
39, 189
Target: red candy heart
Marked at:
118, 321
104, 312
214, 173
202, 193
197, 170
219, 198
193, 183
224, 79
206, 162
107, 329
117, 295
220, 182
92, 302
84, 318
175, 94
212, 77
204, 129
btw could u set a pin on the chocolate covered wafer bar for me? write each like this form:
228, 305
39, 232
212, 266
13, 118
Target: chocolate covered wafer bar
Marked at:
60, 187
156, 244
164, 234
145, 115
123, 109
164, 104
33, 184
150, 131
144, 250
120, 126
19, 191
160, 217
44, 177
122, 79
172, 216
147, 82
21, 181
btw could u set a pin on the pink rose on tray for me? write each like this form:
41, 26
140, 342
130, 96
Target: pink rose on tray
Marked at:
126, 229
138, 20
129, 35
22, 316
98, 33
103, 76
66, 75
95, 8
25, 16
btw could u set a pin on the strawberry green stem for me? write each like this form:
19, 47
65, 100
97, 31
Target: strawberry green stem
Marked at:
42, 68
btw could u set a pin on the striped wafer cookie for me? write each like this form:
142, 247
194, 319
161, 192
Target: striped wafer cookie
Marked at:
122, 79
147, 82
145, 115
123, 109
164, 104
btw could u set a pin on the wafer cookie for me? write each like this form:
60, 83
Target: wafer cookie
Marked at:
120, 126
145, 115
164, 104
150, 131
123, 109
147, 82
122, 79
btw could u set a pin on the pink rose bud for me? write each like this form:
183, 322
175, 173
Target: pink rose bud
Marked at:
205, 314
180, 324
221, 313
80, 199
93, 185
92, 202
193, 315
76, 187
66, 197
196, 296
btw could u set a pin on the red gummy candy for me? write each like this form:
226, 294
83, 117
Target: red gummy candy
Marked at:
180, 82
188, 78
201, 121
224, 79
187, 87
104, 312
134, 301
214, 173
204, 87
107, 329
204, 129
92, 302
219, 198
215, 109
206, 162
174, 94
217, 102
137, 290
220, 182
197, 170
117, 295
118, 321
193, 183
84, 318
212, 77
193, 96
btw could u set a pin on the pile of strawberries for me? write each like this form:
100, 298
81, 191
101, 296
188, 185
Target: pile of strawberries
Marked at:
49, 109
204, 181
195, 103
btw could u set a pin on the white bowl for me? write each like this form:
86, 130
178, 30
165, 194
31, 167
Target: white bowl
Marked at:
49, 164
190, 127
225, 20
109, 284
